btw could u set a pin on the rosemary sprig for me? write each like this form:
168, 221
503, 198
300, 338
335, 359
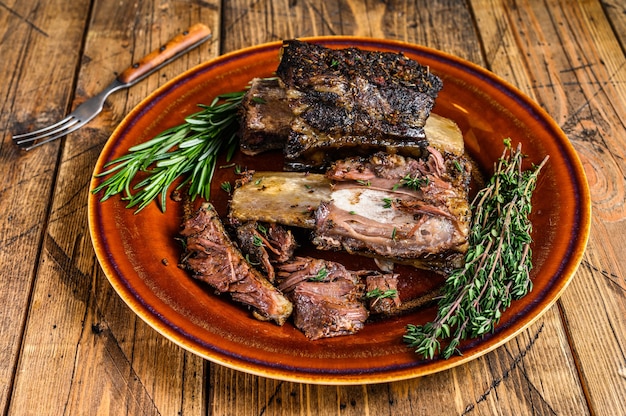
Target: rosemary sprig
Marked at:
497, 263
188, 150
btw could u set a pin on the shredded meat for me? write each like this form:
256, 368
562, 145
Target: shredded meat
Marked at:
327, 298
319, 315
266, 244
383, 296
212, 257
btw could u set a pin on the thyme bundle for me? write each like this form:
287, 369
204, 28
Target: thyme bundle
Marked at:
497, 263
189, 149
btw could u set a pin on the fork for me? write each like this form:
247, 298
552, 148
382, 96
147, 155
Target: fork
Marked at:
175, 48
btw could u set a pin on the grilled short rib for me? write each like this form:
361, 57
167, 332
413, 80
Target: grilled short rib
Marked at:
211, 257
402, 209
266, 120
350, 100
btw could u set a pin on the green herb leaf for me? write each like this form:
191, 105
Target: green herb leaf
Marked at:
257, 241
226, 187
321, 275
415, 182
380, 294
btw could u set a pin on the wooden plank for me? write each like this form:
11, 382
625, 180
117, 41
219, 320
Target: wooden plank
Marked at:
93, 354
616, 14
84, 352
49, 37
578, 74
477, 386
601, 290
506, 379
407, 21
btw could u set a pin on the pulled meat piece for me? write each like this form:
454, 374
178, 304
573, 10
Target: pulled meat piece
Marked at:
398, 208
266, 244
319, 315
351, 101
302, 269
212, 257
326, 297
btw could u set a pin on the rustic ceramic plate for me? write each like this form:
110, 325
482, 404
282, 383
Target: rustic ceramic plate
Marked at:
139, 253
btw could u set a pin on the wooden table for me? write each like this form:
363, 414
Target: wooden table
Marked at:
69, 345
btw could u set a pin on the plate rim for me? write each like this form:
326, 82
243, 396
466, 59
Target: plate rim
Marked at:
578, 245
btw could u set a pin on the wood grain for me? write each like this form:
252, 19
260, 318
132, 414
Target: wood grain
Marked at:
574, 77
71, 346
102, 357
499, 373
28, 180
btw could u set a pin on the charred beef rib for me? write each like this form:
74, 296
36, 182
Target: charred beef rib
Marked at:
212, 257
350, 100
265, 117
266, 120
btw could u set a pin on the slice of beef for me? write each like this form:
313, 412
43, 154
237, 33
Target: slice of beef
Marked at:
327, 298
212, 257
321, 316
266, 244
398, 208
351, 101
265, 117
302, 269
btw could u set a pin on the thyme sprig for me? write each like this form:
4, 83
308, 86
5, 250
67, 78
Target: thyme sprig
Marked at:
415, 182
378, 293
187, 150
497, 263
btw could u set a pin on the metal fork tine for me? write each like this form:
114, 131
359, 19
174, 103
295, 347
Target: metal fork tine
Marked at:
51, 136
68, 122
176, 47
42, 131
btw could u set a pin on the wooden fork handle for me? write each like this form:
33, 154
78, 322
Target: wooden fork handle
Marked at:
177, 46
